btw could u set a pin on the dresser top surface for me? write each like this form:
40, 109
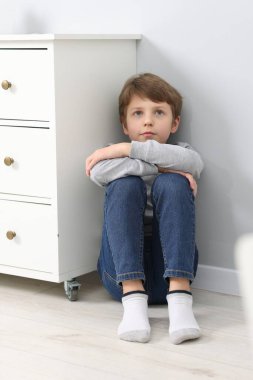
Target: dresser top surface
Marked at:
49, 37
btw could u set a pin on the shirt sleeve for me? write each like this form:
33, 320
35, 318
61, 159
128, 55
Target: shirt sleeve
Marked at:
108, 170
176, 157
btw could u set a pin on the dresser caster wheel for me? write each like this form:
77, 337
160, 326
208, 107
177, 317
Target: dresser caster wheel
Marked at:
71, 288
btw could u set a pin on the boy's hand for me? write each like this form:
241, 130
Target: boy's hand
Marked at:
192, 182
109, 152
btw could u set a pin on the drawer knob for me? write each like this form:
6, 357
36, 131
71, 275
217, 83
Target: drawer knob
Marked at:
8, 161
10, 235
6, 85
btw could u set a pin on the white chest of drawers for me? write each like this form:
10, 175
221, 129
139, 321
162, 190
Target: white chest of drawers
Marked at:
58, 103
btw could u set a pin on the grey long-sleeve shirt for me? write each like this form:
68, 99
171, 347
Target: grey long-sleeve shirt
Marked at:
143, 161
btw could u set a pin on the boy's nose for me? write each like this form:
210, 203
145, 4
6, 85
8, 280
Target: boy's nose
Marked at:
148, 122
148, 119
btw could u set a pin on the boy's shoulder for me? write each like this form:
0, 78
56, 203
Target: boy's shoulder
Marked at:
183, 144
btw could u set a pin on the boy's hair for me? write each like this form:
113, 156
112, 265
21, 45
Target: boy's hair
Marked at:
152, 87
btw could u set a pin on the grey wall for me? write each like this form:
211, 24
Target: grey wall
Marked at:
204, 48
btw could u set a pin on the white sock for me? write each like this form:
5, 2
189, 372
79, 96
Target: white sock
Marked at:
183, 325
135, 326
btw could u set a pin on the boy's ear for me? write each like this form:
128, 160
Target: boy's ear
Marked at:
175, 124
125, 130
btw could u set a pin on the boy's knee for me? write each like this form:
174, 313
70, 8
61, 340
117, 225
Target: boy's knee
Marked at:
128, 184
172, 183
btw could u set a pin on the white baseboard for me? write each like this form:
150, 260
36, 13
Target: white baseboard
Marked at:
216, 279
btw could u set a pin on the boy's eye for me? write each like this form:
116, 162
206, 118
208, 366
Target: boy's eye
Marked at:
137, 113
159, 112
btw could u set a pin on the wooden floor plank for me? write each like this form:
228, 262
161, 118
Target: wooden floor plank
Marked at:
45, 336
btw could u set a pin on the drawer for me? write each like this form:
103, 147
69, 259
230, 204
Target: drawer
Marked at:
30, 96
32, 170
35, 244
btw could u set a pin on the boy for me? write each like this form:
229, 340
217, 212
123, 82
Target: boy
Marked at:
148, 252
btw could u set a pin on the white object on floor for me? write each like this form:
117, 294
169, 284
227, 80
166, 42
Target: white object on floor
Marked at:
244, 263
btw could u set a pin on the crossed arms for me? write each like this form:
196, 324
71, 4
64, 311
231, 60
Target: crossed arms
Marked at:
143, 159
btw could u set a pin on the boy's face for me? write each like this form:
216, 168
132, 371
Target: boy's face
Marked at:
147, 120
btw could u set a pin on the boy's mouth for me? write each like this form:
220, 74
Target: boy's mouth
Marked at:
147, 134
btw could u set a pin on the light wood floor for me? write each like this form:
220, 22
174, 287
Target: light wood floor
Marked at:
45, 336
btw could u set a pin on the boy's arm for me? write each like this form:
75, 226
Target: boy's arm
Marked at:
111, 151
108, 170
166, 156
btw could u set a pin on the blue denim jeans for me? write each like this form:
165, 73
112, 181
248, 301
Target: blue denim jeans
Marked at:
126, 254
